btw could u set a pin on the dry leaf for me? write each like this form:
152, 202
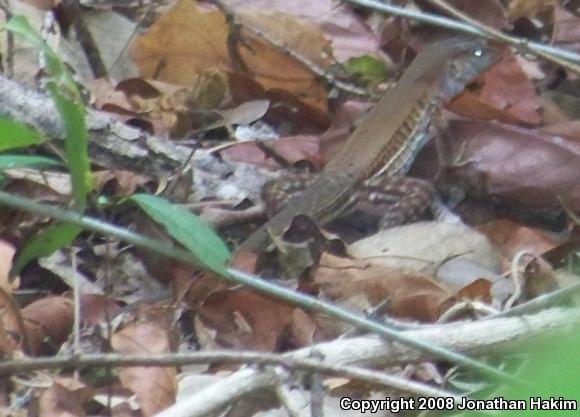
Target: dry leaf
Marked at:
410, 294
243, 319
155, 387
185, 42
525, 167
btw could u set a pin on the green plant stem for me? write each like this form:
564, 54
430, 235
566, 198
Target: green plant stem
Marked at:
261, 285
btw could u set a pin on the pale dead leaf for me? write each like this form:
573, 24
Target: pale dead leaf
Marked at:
7, 251
245, 113
350, 35
56, 181
424, 245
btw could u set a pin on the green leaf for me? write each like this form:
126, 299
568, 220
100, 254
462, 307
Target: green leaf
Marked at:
76, 146
16, 135
186, 228
44, 243
18, 161
66, 96
551, 366
54, 66
368, 67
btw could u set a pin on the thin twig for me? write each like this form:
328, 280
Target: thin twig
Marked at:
258, 358
263, 286
77, 306
521, 44
8, 52
548, 51
466, 307
85, 39
541, 302
516, 278
285, 399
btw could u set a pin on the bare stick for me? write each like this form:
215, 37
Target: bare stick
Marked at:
555, 54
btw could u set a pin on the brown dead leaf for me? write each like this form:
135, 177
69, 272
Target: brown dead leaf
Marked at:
289, 149
147, 103
287, 109
511, 237
563, 253
97, 307
155, 387
410, 294
242, 319
504, 94
525, 167
184, 42
48, 323
11, 332
105, 93
118, 182
65, 398
539, 278
479, 290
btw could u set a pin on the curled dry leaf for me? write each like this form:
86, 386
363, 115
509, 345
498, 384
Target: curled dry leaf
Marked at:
410, 294
155, 387
184, 42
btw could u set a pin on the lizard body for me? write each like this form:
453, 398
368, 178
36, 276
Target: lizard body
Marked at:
390, 137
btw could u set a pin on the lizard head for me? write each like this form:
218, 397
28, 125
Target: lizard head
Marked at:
457, 61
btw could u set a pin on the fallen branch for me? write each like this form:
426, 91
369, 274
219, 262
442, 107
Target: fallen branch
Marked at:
486, 337
113, 144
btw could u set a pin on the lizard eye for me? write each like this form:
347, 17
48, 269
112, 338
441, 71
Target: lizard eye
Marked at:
478, 52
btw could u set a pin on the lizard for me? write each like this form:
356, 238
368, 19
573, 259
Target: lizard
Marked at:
386, 142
